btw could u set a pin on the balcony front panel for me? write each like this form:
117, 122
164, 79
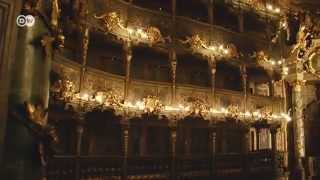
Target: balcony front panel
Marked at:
97, 80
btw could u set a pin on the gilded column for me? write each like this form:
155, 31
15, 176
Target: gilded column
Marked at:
243, 71
173, 64
127, 48
298, 127
213, 66
284, 94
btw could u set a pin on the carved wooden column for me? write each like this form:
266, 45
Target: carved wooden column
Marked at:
213, 66
210, 11
84, 45
173, 133
246, 148
284, 91
143, 140
173, 63
241, 20
82, 16
258, 130
127, 48
298, 127
212, 143
271, 88
243, 71
79, 130
174, 7
274, 130
125, 139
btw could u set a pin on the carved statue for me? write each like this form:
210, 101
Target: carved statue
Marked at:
37, 138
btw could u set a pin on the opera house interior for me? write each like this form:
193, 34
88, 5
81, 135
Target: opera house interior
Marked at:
160, 89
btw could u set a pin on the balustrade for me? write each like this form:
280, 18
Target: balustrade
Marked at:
63, 167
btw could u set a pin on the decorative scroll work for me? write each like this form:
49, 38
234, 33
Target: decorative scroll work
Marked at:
110, 20
306, 42
197, 44
307, 47
112, 23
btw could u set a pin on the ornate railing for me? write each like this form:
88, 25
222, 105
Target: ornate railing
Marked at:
188, 166
159, 167
155, 166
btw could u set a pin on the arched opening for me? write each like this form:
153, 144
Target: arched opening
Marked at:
259, 82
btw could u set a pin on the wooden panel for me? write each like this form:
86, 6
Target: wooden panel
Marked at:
8, 33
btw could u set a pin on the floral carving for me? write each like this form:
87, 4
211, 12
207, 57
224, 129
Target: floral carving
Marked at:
152, 104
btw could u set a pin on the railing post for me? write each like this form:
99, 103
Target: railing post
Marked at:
79, 144
212, 150
246, 146
125, 136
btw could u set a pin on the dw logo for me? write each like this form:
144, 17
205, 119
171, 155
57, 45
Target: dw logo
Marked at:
27, 20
